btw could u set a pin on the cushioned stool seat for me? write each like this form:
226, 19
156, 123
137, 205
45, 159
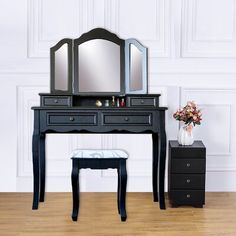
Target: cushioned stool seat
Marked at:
100, 159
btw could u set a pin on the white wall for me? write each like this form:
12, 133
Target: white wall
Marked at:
192, 52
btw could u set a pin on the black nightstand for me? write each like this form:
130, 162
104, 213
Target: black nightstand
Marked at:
186, 174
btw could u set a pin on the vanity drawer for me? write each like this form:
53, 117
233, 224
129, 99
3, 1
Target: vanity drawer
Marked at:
187, 181
145, 101
188, 197
72, 119
130, 119
56, 101
188, 166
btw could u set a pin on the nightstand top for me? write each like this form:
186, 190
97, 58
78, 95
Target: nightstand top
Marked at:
196, 144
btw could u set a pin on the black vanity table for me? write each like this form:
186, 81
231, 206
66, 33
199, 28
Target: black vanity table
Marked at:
67, 109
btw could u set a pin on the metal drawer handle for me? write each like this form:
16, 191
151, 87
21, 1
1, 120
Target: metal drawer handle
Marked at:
188, 165
188, 196
188, 181
142, 101
56, 101
72, 118
126, 118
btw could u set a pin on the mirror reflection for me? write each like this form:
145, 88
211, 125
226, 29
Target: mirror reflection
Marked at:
136, 82
99, 66
61, 68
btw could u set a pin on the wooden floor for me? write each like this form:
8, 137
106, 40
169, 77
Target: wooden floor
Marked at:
98, 216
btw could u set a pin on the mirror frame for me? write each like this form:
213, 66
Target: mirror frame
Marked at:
99, 33
52, 66
144, 52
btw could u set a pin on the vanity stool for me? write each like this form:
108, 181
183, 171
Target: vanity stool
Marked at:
100, 159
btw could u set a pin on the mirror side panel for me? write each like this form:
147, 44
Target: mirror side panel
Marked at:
61, 67
136, 67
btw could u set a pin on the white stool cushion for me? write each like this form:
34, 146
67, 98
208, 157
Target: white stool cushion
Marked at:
99, 153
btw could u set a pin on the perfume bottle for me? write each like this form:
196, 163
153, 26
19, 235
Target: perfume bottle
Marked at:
122, 103
118, 102
106, 103
113, 101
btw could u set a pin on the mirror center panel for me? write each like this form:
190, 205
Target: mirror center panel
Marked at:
99, 66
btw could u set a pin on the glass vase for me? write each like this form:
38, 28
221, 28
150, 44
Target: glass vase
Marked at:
185, 135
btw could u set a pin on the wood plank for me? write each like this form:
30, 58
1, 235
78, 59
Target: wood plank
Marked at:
98, 216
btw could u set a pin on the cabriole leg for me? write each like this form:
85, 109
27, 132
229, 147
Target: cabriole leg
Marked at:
75, 188
42, 167
123, 184
155, 166
35, 152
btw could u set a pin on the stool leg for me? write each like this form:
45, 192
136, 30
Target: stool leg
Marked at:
75, 188
123, 183
118, 190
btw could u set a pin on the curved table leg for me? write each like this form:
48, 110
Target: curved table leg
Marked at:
123, 183
35, 154
162, 161
35, 147
75, 188
118, 190
42, 166
154, 166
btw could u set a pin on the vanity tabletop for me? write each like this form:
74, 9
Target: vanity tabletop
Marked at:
98, 108
96, 95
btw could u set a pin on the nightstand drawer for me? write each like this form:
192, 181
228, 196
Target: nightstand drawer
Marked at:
137, 101
188, 197
188, 153
187, 181
188, 166
197, 150
72, 119
130, 119
56, 101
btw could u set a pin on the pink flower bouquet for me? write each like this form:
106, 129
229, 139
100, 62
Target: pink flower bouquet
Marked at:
189, 114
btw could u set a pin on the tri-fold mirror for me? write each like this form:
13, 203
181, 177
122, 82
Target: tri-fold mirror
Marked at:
99, 63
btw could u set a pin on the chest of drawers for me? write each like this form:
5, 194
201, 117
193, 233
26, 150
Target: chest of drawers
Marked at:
186, 174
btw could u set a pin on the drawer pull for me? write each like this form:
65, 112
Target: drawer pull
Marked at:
188, 165
188, 181
142, 101
55, 101
72, 118
126, 118
188, 195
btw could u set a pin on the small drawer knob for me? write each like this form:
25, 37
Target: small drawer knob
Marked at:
188, 181
142, 101
56, 101
126, 118
188, 196
188, 165
72, 118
